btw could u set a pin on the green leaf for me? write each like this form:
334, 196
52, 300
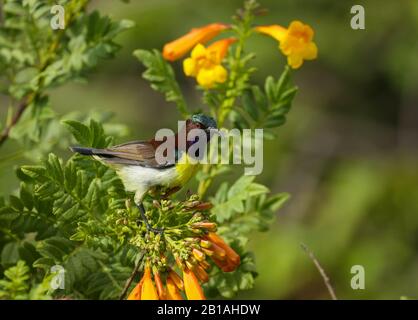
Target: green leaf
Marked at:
16, 203
46, 190
8, 214
14, 8
259, 97
255, 189
288, 95
249, 104
161, 76
97, 135
26, 196
44, 263
10, 253
80, 131
230, 203
283, 82
27, 252
50, 250
275, 202
54, 168
120, 26
70, 175
274, 122
61, 243
240, 186
35, 172
238, 120
270, 89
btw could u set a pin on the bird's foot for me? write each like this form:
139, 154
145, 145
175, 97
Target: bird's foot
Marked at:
155, 230
147, 224
167, 193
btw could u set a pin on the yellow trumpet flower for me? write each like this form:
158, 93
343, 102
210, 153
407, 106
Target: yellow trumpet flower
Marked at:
295, 41
205, 63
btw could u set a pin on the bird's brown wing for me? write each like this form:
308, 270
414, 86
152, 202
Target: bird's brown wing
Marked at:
134, 153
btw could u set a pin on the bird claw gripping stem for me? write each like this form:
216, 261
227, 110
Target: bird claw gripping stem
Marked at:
147, 224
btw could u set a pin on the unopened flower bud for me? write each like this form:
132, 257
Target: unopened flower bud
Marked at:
203, 206
189, 265
199, 255
205, 243
210, 226
197, 217
208, 252
218, 251
193, 204
194, 197
163, 259
159, 284
201, 274
204, 264
196, 231
128, 203
179, 263
176, 279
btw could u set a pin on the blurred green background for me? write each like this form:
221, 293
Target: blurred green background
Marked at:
348, 153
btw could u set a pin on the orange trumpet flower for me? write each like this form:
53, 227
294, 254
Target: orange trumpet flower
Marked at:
173, 292
191, 286
224, 256
145, 289
148, 291
178, 48
160, 287
136, 292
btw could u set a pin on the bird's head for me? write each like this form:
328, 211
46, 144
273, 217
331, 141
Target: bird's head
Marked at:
202, 121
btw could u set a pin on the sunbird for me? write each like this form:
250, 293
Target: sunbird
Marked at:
136, 164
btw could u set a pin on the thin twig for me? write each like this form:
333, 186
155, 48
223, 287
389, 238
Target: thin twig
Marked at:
6, 131
321, 271
131, 277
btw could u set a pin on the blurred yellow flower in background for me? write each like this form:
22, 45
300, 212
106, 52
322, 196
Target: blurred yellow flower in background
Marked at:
205, 63
295, 41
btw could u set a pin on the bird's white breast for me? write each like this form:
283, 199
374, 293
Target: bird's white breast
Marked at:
138, 177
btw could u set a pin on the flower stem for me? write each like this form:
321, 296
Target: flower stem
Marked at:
244, 30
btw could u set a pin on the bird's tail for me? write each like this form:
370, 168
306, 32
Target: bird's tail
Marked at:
87, 151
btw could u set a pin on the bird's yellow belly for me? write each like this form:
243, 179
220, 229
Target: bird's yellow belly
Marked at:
185, 171
138, 178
